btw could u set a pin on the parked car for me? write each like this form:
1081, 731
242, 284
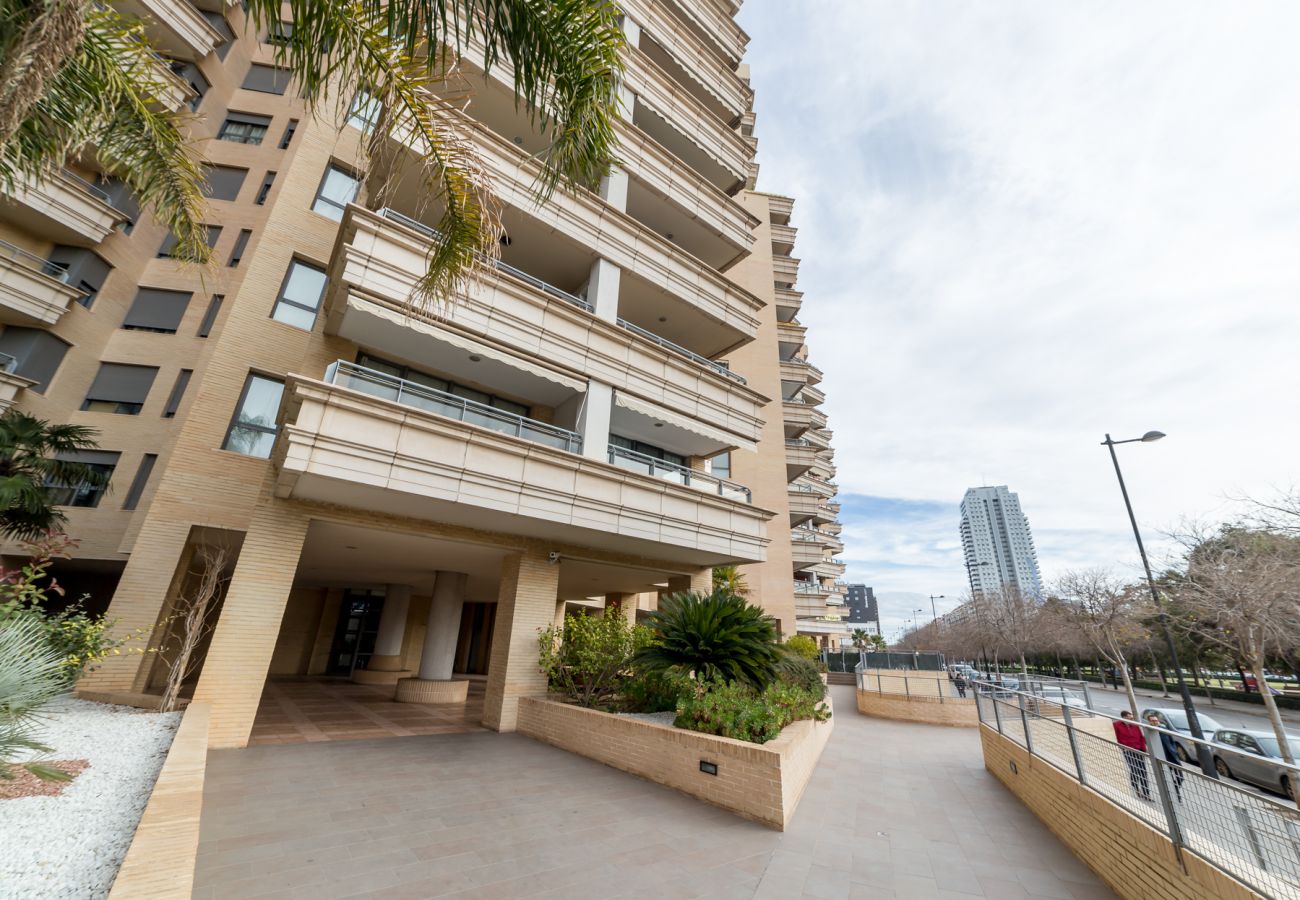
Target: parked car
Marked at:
1061, 696
1260, 761
1176, 720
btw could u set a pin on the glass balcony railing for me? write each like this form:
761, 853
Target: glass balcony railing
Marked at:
417, 396
54, 270
8, 364
553, 291
802, 488
804, 535
87, 186
808, 587
667, 471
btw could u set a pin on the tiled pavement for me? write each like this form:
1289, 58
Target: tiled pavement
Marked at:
894, 810
307, 710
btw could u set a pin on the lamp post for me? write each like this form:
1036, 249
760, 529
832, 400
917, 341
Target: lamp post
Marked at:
1193, 723
934, 615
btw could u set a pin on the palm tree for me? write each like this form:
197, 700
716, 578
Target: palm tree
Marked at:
730, 579
716, 636
31, 675
860, 639
74, 74
29, 463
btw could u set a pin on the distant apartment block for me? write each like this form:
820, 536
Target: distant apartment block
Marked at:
862, 606
997, 543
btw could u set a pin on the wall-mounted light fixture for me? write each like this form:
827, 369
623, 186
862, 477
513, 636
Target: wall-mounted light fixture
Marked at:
708, 768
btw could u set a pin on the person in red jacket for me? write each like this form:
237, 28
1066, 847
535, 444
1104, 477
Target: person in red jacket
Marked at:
1134, 746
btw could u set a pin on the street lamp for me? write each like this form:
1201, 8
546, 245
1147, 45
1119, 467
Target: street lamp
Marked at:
1193, 723
934, 615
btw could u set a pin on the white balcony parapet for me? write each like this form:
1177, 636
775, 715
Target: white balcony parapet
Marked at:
670, 471
65, 208
11, 383
380, 257
346, 447
33, 291
709, 19
174, 27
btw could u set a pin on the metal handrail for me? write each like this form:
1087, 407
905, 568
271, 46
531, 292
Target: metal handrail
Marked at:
807, 538
432, 400
388, 212
669, 471
802, 488
809, 587
798, 442
682, 351
86, 185
57, 271
8, 364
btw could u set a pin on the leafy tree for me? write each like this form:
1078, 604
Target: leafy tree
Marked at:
715, 636
29, 450
730, 579
584, 659
74, 74
803, 646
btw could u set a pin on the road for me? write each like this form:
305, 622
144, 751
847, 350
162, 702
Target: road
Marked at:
1228, 713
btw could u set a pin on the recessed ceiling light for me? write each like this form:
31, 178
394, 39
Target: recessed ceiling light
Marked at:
663, 318
519, 140
349, 546
474, 357
659, 424
669, 235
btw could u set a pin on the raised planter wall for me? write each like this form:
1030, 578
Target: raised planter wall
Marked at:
160, 861
928, 710
762, 782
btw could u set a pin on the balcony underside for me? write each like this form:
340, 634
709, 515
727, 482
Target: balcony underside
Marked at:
348, 448
62, 211
31, 299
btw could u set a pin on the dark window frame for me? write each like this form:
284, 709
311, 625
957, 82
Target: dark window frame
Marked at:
237, 422
140, 481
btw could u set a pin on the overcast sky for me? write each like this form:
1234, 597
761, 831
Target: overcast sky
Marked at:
1023, 225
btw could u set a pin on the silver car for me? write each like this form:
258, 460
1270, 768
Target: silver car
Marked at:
1175, 720
1260, 759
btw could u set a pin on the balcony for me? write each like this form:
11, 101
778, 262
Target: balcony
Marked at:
783, 239
805, 549
801, 418
790, 337
674, 46
785, 270
813, 395
174, 27
831, 568
828, 625
11, 383
788, 303
808, 589
674, 117
800, 456
63, 208
376, 443
33, 291
804, 504
714, 24
779, 209
522, 327
821, 488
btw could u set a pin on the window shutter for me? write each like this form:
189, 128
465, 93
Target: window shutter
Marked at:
267, 79
224, 182
121, 383
157, 309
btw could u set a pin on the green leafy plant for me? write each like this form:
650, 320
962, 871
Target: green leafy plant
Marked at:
585, 658
730, 580
802, 645
648, 692
31, 675
739, 711
717, 637
29, 462
802, 673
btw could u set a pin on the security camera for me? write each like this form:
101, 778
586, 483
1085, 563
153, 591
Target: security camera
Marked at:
553, 557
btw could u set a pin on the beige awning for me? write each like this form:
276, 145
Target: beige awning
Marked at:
693, 436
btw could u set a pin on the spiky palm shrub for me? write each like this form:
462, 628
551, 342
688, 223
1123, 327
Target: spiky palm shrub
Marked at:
31, 675
717, 636
29, 451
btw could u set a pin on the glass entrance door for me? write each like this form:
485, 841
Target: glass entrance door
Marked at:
354, 639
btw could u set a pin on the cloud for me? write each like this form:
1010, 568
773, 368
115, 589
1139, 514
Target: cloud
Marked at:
1023, 225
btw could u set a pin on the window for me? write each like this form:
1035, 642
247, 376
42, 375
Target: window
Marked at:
252, 430
241, 244
720, 465
266, 79
178, 392
224, 182
415, 376
119, 388
337, 189
85, 269
647, 449
300, 295
365, 110
210, 316
190, 74
83, 493
288, 134
35, 354
221, 27
279, 32
169, 242
157, 310
122, 199
264, 191
141, 479
244, 128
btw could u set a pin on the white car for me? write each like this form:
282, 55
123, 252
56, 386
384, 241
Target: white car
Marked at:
1175, 720
1062, 696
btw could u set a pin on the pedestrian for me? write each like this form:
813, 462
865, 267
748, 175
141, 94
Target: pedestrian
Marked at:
960, 684
1169, 751
1134, 746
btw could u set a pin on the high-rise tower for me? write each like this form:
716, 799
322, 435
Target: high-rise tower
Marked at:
997, 542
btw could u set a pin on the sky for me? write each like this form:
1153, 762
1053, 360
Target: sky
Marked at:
1025, 225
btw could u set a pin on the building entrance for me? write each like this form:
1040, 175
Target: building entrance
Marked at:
354, 638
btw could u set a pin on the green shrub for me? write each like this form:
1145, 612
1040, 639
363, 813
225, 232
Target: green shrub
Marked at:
586, 658
802, 645
31, 675
802, 673
718, 636
739, 711
648, 692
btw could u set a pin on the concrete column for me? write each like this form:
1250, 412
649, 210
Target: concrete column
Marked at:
434, 683
385, 665
602, 289
593, 424
239, 657
525, 604
622, 604
613, 187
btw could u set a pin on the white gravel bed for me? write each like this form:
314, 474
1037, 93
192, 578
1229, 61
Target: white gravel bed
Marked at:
659, 718
72, 845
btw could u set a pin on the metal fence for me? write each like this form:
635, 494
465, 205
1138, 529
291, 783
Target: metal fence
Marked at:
926, 688
898, 659
1254, 838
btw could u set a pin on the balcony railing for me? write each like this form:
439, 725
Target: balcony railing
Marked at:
805, 535
54, 270
418, 396
802, 488
8, 364
553, 291
682, 351
667, 471
87, 186
808, 587
798, 442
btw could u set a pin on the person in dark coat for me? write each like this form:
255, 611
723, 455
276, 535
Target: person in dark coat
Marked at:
1134, 746
1169, 752
960, 684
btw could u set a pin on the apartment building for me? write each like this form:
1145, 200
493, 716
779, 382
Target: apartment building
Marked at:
622, 403
997, 543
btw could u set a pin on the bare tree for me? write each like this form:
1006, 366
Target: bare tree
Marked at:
191, 618
1243, 586
1107, 614
1011, 617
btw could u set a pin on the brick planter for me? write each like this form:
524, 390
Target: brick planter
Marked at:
928, 710
762, 782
